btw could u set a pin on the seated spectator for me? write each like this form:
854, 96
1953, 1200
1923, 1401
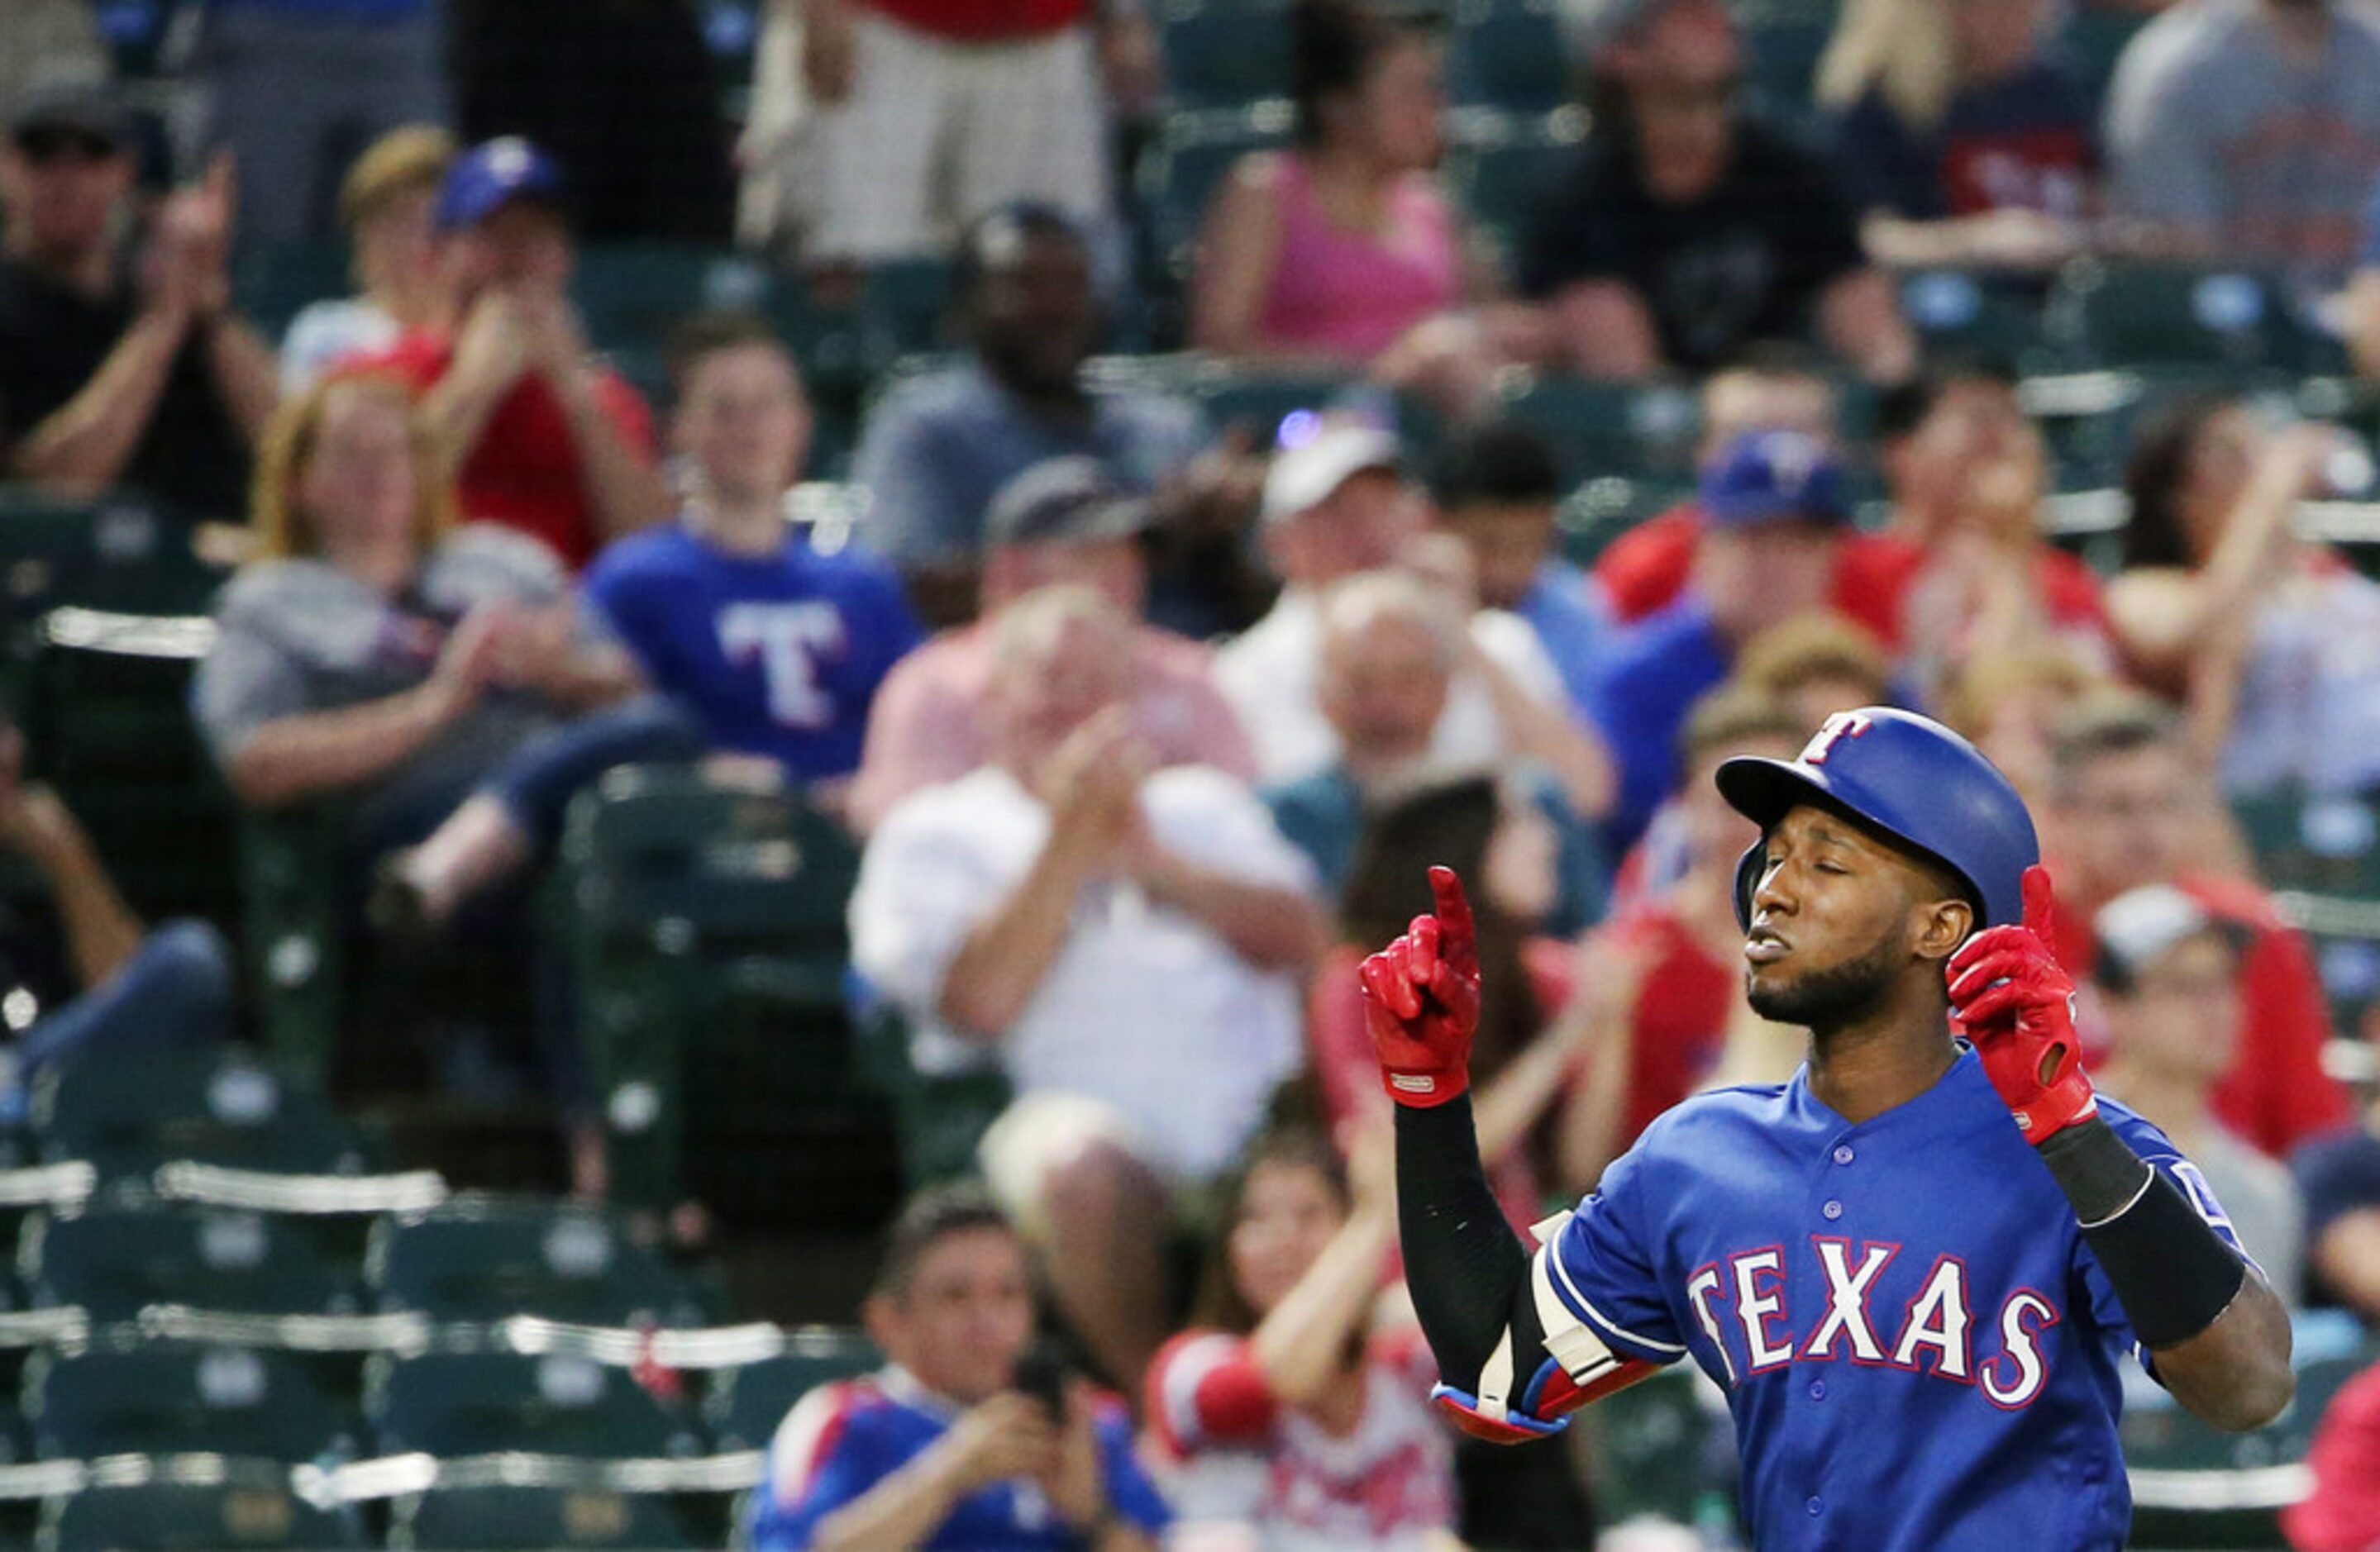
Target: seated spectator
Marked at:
291, 89
1960, 141
1336, 504
1964, 567
1497, 489
83, 976
2131, 808
1341, 252
1657, 1000
2248, 132
2338, 1173
1817, 665
1295, 1410
952, 1445
938, 448
1119, 939
2272, 642
110, 375
1061, 521
1775, 509
2010, 704
1770, 387
386, 204
904, 120
2167, 980
1391, 648
545, 438
1688, 228
2341, 1514
776, 649
427, 678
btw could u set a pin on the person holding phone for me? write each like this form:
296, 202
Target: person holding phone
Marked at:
968, 1437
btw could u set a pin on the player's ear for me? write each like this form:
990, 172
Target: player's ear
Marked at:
1942, 926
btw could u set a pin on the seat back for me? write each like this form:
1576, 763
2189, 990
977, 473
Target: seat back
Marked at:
167, 1398
248, 1507
478, 1403
470, 1519
116, 1261
479, 1259
215, 1108
745, 1404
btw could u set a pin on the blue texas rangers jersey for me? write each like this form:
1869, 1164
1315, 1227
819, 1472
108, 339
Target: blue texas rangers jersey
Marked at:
778, 654
1918, 1350
846, 1437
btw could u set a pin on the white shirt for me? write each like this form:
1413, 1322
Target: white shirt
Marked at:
324, 332
1144, 1007
1271, 673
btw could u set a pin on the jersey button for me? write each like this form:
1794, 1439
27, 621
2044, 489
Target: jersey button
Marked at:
1816, 1508
1833, 1209
1843, 1154
1817, 1390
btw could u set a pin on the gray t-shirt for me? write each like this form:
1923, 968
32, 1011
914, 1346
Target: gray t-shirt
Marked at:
298, 635
937, 451
2213, 127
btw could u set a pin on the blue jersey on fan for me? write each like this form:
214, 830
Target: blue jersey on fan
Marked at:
1919, 1351
843, 1438
779, 656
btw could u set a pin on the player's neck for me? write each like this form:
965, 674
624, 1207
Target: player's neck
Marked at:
1884, 1058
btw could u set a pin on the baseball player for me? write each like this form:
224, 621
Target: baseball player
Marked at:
1913, 1269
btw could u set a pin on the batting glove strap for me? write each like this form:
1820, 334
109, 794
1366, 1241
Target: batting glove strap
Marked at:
2170, 1270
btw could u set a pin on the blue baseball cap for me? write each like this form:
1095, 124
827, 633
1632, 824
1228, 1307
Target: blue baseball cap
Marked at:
1772, 477
491, 174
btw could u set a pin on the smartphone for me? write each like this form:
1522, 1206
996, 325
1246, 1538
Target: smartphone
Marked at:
1042, 1373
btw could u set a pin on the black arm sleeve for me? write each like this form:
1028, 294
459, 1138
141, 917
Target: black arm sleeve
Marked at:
1468, 1271
2170, 1270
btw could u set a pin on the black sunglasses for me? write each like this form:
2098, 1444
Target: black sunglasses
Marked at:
44, 144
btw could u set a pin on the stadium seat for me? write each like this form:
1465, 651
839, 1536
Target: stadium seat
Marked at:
1648, 1451
482, 1258
1960, 311
480, 1403
1783, 42
1226, 54
1255, 401
295, 932
2178, 319
214, 1108
2095, 38
940, 1117
1502, 173
115, 1261
1509, 55
493, 1517
203, 1505
118, 551
2328, 845
1591, 516
1193, 153
706, 927
745, 1404
169, 1397
1601, 429
272, 284
635, 295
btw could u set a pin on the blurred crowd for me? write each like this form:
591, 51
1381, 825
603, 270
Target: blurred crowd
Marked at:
1147, 726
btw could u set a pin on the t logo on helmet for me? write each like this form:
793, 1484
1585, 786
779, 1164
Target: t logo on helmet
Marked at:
1842, 724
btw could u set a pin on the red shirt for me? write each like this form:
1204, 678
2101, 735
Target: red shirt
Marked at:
1882, 567
2342, 1513
524, 471
984, 21
2275, 1094
1644, 570
1681, 1014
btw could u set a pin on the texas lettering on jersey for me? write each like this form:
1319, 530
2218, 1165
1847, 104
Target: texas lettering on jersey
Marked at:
1929, 1327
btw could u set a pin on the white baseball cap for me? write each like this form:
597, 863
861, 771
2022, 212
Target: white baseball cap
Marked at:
2140, 927
1306, 473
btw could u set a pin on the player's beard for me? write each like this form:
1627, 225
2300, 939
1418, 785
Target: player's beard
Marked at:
1824, 999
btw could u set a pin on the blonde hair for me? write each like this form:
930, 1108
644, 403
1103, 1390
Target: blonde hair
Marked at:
1355, 604
1982, 683
282, 529
414, 156
1787, 656
1900, 48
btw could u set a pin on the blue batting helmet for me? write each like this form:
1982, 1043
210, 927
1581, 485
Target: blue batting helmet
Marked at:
1909, 778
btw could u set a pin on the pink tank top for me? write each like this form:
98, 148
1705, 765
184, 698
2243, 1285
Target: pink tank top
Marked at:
1353, 293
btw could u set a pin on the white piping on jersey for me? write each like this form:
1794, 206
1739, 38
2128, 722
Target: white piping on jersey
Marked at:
1622, 1332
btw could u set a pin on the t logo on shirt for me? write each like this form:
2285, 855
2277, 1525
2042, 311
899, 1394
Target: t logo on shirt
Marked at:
789, 639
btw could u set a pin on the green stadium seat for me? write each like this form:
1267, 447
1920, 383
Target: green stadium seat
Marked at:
1193, 153
1591, 516
1502, 173
296, 932
493, 1517
115, 1261
2095, 38
2181, 319
170, 1398
483, 1258
1646, 1450
940, 1117
907, 303
2329, 845
1602, 429
1783, 42
635, 295
214, 1108
481, 1403
203, 1505
1226, 54
745, 1404
118, 551
1255, 401
1509, 55
272, 285
1957, 310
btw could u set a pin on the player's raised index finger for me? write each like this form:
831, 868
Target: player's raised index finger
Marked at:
1459, 938
2038, 905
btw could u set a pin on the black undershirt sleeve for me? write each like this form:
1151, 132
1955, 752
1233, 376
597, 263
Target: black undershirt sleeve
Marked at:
2170, 1270
1468, 1272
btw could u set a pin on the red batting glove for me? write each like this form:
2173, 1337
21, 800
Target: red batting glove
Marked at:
2017, 1004
1421, 1000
